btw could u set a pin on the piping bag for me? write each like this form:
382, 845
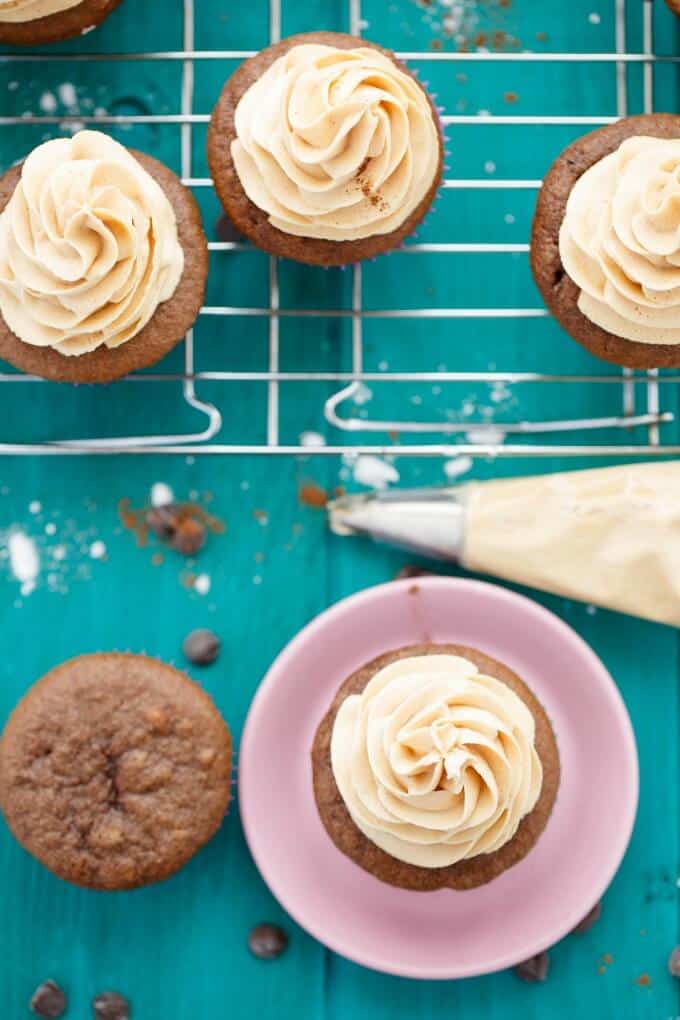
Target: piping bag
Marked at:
606, 536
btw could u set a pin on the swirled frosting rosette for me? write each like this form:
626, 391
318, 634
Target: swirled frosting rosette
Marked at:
88, 247
335, 144
18, 11
436, 762
620, 241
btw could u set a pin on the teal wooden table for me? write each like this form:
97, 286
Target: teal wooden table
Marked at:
179, 950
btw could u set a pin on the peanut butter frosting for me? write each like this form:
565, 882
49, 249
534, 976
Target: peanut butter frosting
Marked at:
88, 246
15, 11
335, 144
436, 762
620, 241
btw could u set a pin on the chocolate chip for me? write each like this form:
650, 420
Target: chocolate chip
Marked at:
176, 524
48, 1000
267, 941
201, 647
590, 920
226, 231
111, 1006
674, 963
534, 969
163, 520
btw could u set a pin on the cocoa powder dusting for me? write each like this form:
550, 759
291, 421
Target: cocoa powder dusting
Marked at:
311, 494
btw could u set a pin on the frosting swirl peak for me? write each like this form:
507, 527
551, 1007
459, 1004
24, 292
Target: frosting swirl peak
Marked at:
620, 240
88, 246
335, 144
436, 762
16, 11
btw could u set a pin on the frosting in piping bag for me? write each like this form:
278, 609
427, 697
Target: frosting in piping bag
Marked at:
88, 246
620, 241
15, 11
335, 144
436, 762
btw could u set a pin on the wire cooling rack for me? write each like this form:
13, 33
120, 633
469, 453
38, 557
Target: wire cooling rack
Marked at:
541, 438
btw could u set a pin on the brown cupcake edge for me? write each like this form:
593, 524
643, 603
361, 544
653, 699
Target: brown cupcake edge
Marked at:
558, 290
56, 27
463, 875
251, 221
20, 719
167, 327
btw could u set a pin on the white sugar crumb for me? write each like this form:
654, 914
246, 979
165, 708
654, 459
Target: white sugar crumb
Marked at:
50, 528
48, 102
202, 584
500, 392
362, 394
591, 610
457, 467
594, 18
161, 494
59, 552
98, 550
35, 506
314, 439
509, 218
490, 167
24, 560
67, 93
373, 471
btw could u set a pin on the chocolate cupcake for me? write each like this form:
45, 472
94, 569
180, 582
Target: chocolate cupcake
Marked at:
103, 260
605, 245
325, 149
114, 770
34, 22
435, 767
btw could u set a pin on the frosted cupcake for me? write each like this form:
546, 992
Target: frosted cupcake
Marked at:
103, 260
33, 22
605, 247
435, 767
325, 149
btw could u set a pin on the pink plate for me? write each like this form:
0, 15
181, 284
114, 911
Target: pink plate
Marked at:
443, 934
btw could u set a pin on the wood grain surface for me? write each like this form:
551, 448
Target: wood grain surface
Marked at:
178, 950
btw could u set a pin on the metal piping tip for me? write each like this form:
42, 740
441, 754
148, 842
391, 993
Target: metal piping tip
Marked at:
427, 521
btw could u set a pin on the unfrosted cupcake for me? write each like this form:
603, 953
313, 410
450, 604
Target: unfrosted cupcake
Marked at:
115, 770
435, 767
33, 22
325, 149
605, 246
103, 260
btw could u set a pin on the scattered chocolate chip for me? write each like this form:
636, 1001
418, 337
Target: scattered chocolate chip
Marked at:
177, 525
267, 941
590, 920
201, 647
48, 1000
111, 1006
412, 570
226, 231
534, 969
674, 963
189, 537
